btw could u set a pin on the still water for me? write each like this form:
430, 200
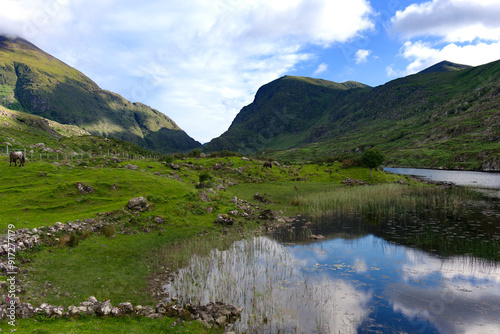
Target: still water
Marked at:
432, 267
346, 285
462, 178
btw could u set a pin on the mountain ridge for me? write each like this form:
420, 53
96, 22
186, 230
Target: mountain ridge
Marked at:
448, 119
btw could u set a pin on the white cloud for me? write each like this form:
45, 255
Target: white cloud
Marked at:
321, 68
199, 62
461, 31
362, 56
422, 55
453, 20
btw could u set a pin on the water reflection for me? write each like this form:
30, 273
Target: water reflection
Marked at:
278, 290
341, 285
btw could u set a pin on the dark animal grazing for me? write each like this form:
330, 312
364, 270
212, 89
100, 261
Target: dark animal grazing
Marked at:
14, 156
267, 164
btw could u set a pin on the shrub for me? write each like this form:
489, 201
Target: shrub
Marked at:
204, 176
346, 163
196, 153
167, 159
108, 231
73, 240
85, 234
63, 240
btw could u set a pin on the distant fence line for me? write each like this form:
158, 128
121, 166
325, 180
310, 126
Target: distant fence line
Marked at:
56, 156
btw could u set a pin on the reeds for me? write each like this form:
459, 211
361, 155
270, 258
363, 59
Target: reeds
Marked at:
278, 292
384, 198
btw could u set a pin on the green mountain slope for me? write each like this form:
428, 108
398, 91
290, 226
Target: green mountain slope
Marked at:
287, 112
35, 82
447, 119
38, 135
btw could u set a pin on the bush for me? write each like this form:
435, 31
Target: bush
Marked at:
63, 240
224, 154
74, 240
108, 231
346, 163
196, 153
85, 234
167, 159
204, 176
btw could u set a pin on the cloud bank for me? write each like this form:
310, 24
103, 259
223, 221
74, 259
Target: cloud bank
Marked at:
461, 31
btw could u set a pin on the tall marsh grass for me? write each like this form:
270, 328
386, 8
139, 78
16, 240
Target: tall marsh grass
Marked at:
385, 198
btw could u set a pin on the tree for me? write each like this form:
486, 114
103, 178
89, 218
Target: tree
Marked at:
372, 158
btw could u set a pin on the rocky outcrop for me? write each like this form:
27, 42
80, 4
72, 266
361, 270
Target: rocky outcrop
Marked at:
352, 182
492, 165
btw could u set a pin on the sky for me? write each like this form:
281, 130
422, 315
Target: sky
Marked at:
200, 61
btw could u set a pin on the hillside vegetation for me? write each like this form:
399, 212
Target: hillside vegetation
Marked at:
37, 83
445, 117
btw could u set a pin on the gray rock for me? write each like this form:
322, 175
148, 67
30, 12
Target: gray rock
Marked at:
137, 203
84, 189
131, 167
155, 316
92, 300
104, 308
116, 312
73, 310
126, 307
204, 197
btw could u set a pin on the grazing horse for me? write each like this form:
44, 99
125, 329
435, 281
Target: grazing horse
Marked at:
14, 156
267, 164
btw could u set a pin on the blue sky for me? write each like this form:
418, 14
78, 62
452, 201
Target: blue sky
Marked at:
200, 61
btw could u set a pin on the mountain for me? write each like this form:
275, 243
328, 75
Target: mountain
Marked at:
35, 82
38, 135
287, 112
447, 119
444, 66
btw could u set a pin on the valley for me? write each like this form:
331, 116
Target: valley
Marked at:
121, 220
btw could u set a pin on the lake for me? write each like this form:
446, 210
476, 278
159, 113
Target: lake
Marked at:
346, 285
430, 266
462, 178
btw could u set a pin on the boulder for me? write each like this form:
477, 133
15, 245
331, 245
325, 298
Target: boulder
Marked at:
131, 167
84, 189
104, 308
92, 300
116, 311
352, 182
224, 220
138, 204
204, 197
154, 316
126, 307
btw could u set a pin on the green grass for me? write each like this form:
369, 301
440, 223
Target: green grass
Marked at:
121, 268
122, 325
115, 268
41, 193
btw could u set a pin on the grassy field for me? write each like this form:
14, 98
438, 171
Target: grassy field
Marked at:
122, 267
